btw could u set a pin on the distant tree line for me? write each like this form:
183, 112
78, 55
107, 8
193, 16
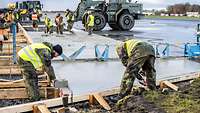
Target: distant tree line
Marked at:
183, 8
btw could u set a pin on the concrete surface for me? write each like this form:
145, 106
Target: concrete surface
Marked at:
87, 77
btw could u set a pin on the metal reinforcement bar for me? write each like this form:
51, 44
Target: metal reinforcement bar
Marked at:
59, 101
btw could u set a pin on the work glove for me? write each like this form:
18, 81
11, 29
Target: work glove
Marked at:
143, 82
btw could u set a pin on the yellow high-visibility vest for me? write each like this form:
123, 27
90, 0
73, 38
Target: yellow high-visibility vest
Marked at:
70, 15
50, 23
91, 22
130, 44
28, 54
46, 20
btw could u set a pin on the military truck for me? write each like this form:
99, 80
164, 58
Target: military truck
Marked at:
119, 14
26, 8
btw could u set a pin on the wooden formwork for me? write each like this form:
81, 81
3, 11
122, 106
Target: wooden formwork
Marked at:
15, 89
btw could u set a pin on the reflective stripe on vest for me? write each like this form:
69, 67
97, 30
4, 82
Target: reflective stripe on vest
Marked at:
34, 17
130, 44
91, 22
28, 54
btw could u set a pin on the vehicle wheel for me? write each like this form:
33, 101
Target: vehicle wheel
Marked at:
126, 21
114, 26
99, 21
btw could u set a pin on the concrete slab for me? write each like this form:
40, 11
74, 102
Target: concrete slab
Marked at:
87, 77
72, 42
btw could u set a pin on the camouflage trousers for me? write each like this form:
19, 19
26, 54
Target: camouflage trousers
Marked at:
147, 65
31, 79
69, 26
49, 29
59, 29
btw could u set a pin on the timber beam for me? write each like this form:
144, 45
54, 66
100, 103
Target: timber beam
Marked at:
21, 84
21, 93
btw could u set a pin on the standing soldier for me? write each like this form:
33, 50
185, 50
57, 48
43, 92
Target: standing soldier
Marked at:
9, 17
35, 21
48, 25
59, 24
90, 22
35, 57
70, 19
39, 13
136, 56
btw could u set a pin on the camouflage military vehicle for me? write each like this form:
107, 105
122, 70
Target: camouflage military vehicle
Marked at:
119, 14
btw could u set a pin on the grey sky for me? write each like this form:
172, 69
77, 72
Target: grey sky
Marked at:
72, 4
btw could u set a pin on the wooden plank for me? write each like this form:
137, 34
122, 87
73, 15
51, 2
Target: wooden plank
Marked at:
20, 93
28, 107
101, 101
11, 71
52, 102
41, 108
61, 110
164, 84
21, 84
5, 57
58, 101
28, 38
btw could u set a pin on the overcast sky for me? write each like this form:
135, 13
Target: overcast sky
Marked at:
72, 4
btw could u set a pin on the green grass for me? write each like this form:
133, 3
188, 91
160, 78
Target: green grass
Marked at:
172, 17
185, 101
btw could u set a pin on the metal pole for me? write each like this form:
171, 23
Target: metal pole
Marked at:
14, 43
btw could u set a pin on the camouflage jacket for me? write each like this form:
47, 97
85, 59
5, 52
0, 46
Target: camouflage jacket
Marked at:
46, 56
141, 50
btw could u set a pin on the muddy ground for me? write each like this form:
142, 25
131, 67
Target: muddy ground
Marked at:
186, 100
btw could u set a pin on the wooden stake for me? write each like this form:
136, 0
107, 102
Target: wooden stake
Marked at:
164, 84
41, 108
100, 100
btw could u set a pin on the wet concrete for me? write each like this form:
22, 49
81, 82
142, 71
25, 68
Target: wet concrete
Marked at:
87, 77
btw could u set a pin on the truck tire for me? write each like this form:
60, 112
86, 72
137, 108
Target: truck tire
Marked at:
114, 26
99, 21
126, 21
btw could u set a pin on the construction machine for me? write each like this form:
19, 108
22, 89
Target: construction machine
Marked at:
26, 8
119, 14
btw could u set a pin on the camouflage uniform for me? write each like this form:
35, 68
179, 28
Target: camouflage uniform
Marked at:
142, 57
29, 72
70, 21
59, 24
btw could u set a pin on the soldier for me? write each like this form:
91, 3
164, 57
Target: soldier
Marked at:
49, 26
35, 57
136, 56
90, 22
59, 24
70, 19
